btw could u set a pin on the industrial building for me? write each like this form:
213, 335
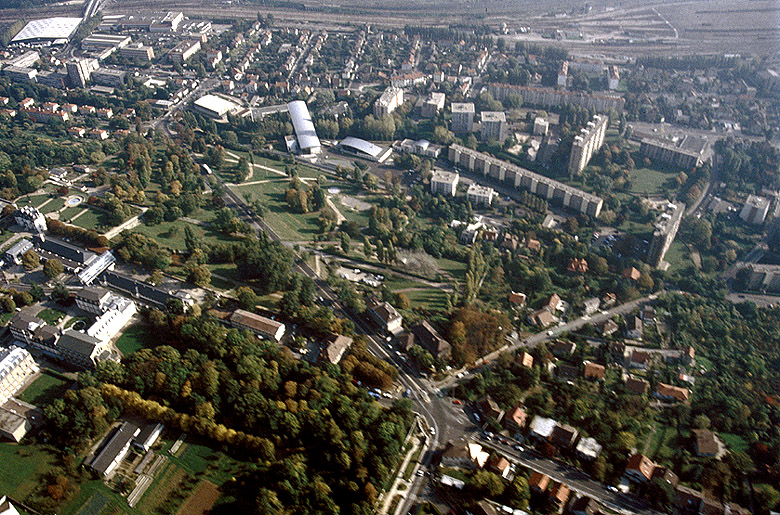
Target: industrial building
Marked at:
365, 149
520, 178
98, 42
687, 152
755, 209
480, 195
137, 51
587, 143
108, 77
213, 106
55, 31
26, 60
20, 74
80, 71
550, 97
493, 125
307, 141
390, 100
183, 51
665, 231
444, 183
17, 250
433, 104
462, 117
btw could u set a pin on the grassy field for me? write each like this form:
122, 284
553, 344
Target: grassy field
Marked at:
132, 340
45, 389
51, 316
32, 200
70, 212
662, 443
433, 299
456, 269
288, 225
677, 256
649, 181
171, 234
734, 442
22, 467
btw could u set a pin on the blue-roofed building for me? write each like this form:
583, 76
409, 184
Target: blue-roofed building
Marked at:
305, 133
365, 149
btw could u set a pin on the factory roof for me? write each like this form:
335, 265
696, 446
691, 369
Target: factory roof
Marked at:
362, 146
216, 104
303, 125
48, 29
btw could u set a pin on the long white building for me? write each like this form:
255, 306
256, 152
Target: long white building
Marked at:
16, 365
305, 133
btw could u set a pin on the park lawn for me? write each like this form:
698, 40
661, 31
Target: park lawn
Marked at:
734, 442
200, 460
93, 219
54, 204
95, 498
5, 317
663, 443
133, 339
287, 225
174, 240
51, 316
44, 390
227, 270
23, 465
649, 181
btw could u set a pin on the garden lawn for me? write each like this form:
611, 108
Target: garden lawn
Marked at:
54, 204
22, 467
456, 269
51, 316
44, 390
32, 200
431, 299
677, 256
132, 340
174, 239
70, 212
649, 181
735, 443
287, 225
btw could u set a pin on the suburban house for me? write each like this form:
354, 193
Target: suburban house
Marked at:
585, 506
564, 436
608, 328
489, 409
385, 315
563, 348
335, 347
542, 318
634, 328
706, 443
542, 427
430, 339
515, 419
591, 305
648, 315
671, 393
639, 468
577, 266
594, 371
538, 482
257, 324
639, 359
525, 360
554, 303
461, 454
637, 386
632, 274
559, 494
499, 465
588, 448
517, 299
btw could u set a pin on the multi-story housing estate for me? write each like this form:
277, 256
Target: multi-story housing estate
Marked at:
444, 183
587, 143
462, 117
687, 152
16, 365
493, 125
550, 97
183, 51
390, 100
516, 177
433, 104
480, 195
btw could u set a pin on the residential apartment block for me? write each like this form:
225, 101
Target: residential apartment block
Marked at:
390, 100
587, 143
16, 365
462, 117
444, 183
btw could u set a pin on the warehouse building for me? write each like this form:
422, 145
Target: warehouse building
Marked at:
98, 42
53, 31
213, 106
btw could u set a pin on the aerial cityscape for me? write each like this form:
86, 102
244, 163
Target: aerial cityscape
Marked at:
405, 257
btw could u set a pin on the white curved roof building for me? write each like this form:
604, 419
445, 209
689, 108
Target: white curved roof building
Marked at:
363, 148
305, 133
48, 29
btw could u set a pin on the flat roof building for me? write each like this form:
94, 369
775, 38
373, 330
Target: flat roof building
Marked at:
388, 102
17, 250
183, 51
587, 143
462, 117
493, 125
755, 209
433, 104
520, 178
305, 133
52, 30
213, 106
102, 41
687, 152
444, 183
480, 195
